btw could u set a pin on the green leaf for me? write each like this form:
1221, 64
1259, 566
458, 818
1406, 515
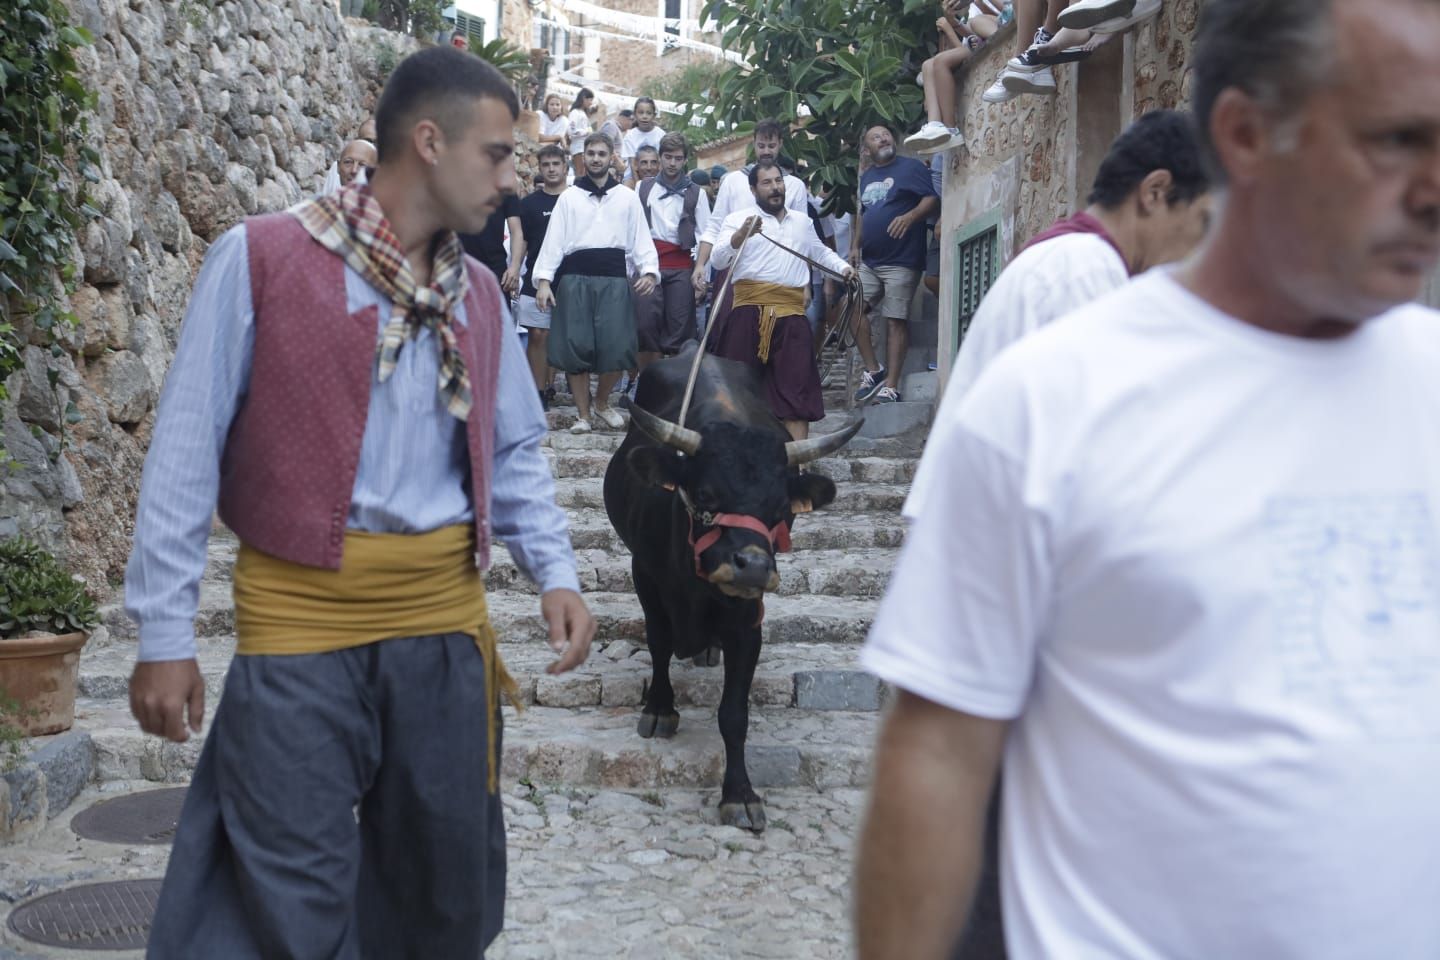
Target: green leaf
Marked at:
7, 252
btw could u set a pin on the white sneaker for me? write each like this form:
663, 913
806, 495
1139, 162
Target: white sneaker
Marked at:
1038, 79
1144, 10
1084, 14
931, 135
611, 416
580, 426
953, 138
997, 92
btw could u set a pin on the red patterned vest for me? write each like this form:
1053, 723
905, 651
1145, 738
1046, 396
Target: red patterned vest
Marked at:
288, 470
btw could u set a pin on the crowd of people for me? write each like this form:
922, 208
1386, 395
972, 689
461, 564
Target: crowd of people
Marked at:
1167, 603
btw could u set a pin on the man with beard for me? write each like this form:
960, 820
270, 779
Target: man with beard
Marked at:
346, 800
677, 211
896, 196
597, 233
767, 327
735, 194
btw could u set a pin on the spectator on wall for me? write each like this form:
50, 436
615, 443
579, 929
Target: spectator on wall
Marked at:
959, 40
645, 132
580, 128
554, 125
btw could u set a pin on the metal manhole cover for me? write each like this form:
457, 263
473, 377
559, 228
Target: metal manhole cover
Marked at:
92, 916
148, 817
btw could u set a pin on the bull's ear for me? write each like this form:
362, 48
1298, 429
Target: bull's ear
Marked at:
810, 491
656, 465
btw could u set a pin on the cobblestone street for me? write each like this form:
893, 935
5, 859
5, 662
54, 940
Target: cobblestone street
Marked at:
614, 842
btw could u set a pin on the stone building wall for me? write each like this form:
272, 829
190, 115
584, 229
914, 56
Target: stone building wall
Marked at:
1032, 160
208, 110
631, 64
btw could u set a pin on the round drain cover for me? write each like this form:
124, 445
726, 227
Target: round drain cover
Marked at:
148, 817
92, 916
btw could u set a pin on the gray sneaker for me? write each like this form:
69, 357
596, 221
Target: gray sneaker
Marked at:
887, 395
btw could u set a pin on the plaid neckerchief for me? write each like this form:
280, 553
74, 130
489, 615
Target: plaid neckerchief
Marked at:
350, 223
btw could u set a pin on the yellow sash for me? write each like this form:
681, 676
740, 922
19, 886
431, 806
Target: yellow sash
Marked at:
388, 585
775, 301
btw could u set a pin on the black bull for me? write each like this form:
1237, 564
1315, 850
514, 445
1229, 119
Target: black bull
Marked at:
702, 511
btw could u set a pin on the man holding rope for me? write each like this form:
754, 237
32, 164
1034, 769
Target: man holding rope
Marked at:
766, 327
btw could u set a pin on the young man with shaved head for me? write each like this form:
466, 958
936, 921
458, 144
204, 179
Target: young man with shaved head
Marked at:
1178, 561
346, 801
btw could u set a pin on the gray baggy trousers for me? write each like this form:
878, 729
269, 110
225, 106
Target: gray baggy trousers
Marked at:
271, 861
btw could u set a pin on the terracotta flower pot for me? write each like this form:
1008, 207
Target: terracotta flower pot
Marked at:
39, 673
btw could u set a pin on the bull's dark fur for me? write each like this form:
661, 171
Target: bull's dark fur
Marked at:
739, 468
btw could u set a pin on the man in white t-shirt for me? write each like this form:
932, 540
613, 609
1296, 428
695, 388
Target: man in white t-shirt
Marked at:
1184, 570
1149, 205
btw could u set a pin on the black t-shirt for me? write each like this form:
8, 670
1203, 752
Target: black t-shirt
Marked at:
488, 246
534, 214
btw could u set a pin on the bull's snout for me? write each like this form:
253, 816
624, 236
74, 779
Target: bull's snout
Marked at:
749, 572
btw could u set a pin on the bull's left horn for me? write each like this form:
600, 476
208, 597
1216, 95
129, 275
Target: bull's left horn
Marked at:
803, 451
684, 439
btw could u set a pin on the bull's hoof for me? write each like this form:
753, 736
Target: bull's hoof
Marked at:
709, 657
746, 816
658, 725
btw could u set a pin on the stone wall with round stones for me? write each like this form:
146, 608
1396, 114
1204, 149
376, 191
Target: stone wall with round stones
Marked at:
207, 111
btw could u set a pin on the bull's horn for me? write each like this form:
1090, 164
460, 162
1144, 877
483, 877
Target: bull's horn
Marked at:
684, 439
803, 451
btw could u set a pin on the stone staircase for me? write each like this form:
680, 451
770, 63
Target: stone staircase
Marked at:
589, 804
814, 709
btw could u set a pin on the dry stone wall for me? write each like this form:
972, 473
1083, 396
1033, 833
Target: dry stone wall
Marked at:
208, 111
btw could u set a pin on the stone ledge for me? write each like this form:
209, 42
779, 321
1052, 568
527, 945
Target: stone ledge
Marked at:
45, 783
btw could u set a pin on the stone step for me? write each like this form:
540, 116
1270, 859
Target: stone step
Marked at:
805, 676
867, 469
862, 573
583, 747
608, 441
591, 530
586, 493
599, 747
516, 618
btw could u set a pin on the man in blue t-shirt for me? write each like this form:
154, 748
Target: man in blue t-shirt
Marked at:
896, 198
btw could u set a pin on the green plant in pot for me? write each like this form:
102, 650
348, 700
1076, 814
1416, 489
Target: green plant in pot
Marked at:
45, 619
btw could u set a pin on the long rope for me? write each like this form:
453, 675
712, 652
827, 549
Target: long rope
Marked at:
719, 298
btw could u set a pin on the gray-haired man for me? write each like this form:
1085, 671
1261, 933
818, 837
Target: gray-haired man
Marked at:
1183, 573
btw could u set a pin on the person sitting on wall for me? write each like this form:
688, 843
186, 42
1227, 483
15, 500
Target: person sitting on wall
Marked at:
554, 125
959, 40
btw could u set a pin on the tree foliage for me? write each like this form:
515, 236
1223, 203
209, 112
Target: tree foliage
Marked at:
420, 18
43, 107
850, 63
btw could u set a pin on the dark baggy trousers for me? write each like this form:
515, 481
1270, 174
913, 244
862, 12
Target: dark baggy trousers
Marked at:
592, 326
665, 317
271, 861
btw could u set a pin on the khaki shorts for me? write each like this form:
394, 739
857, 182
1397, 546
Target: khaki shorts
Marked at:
891, 288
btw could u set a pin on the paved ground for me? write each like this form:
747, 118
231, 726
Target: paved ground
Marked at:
594, 873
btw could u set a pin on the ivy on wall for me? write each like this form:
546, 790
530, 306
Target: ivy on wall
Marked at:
43, 106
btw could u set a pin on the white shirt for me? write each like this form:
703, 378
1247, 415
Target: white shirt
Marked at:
554, 128
583, 221
666, 211
735, 194
767, 262
1198, 564
1042, 284
579, 124
634, 139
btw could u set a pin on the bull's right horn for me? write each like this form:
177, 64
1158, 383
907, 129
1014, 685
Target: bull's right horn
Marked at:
803, 451
684, 439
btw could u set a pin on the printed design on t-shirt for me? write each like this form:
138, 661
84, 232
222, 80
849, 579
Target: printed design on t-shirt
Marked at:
876, 192
1356, 609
